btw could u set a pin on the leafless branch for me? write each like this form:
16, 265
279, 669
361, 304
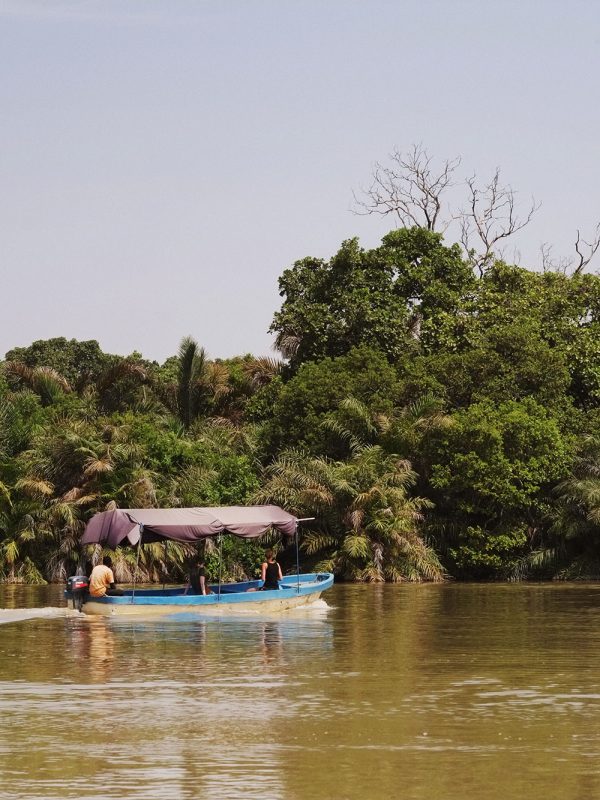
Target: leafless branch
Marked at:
551, 264
409, 189
586, 250
546, 256
490, 217
413, 191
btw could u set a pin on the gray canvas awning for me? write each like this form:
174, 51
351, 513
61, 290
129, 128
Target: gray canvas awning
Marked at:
111, 528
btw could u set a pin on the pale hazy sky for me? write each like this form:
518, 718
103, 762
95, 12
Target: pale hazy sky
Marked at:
162, 161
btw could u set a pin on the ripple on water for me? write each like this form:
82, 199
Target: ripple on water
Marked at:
444, 692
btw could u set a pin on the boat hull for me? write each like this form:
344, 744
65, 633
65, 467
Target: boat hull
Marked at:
244, 598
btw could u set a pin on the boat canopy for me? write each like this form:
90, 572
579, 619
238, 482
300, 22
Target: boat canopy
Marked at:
111, 528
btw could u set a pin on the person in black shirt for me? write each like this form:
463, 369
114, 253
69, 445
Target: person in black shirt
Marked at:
270, 572
198, 578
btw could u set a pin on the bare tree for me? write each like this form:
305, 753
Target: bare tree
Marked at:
552, 264
584, 253
586, 250
410, 189
490, 217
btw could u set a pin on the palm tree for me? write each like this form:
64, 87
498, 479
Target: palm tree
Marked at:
575, 522
109, 390
44, 381
18, 537
192, 364
368, 526
114, 386
201, 385
73, 471
570, 547
213, 389
400, 431
262, 370
233, 384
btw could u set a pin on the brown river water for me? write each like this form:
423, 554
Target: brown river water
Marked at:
413, 692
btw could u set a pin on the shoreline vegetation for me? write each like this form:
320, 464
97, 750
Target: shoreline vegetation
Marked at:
435, 409
437, 423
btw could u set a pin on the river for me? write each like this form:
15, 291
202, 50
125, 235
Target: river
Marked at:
412, 692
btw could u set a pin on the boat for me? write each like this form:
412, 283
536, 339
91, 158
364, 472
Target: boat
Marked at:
227, 599
136, 527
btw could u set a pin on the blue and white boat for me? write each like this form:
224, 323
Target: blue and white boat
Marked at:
138, 526
226, 599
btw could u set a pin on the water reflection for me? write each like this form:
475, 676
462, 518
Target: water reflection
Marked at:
272, 643
93, 646
20, 596
416, 692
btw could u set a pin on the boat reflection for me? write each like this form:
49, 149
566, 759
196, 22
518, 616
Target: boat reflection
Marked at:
92, 644
208, 702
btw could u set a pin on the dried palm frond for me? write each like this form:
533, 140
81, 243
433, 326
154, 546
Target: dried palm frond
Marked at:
261, 371
35, 487
288, 344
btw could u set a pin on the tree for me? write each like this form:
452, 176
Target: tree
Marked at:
367, 525
18, 545
192, 365
390, 298
418, 193
298, 408
410, 188
490, 217
557, 313
414, 191
56, 367
77, 362
192, 387
569, 548
44, 381
117, 387
491, 475
197, 383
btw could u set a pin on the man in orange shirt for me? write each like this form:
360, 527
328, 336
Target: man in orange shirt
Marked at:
102, 580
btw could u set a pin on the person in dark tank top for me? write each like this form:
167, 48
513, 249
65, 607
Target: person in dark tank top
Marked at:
198, 583
270, 572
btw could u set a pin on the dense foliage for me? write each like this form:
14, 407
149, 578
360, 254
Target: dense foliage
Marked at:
435, 420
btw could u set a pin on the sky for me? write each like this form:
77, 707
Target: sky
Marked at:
163, 161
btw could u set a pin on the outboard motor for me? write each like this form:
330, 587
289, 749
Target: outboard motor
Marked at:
76, 591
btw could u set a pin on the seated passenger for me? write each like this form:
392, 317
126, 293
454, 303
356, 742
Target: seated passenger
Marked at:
102, 580
270, 572
198, 578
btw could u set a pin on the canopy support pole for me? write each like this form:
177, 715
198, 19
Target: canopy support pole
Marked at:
220, 565
137, 561
165, 559
297, 563
304, 519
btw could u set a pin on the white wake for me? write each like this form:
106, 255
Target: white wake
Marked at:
20, 614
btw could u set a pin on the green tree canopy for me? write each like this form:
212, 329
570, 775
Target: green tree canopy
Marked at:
386, 298
74, 360
299, 408
490, 475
